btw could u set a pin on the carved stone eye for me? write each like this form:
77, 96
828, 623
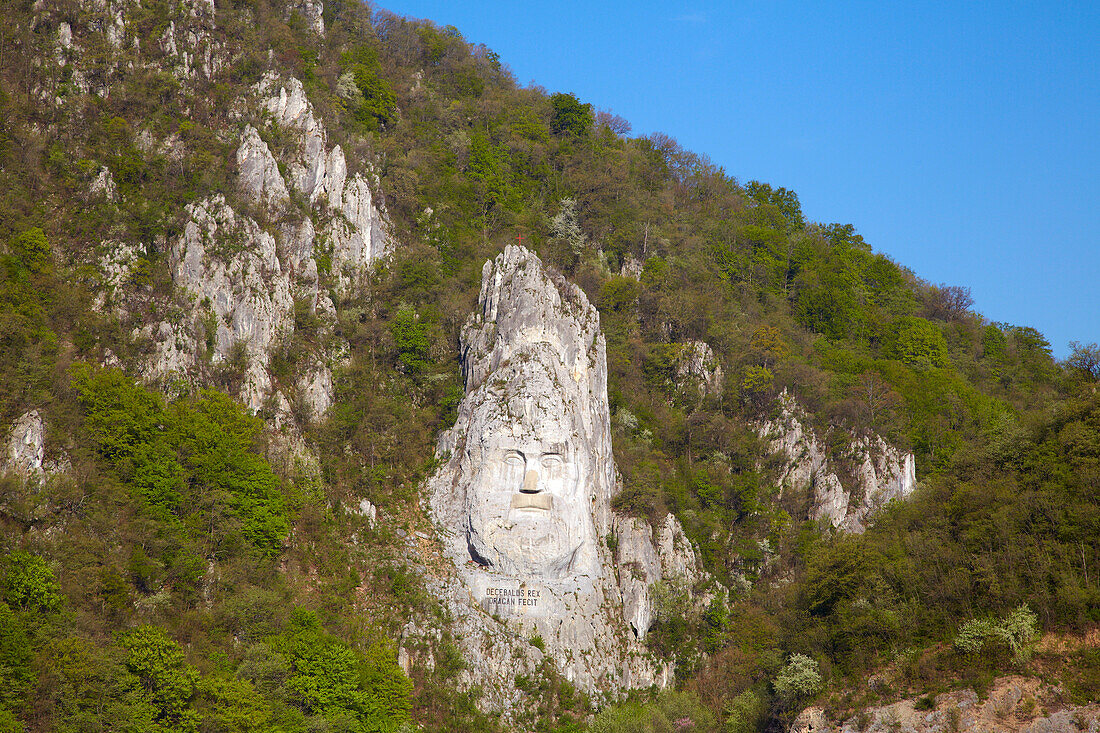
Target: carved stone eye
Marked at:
552, 464
512, 467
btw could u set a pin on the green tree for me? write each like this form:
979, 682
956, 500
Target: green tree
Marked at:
569, 116
121, 417
216, 441
159, 676
411, 337
16, 674
828, 308
33, 250
233, 705
29, 583
918, 343
745, 713
1085, 360
198, 459
379, 101
784, 201
330, 679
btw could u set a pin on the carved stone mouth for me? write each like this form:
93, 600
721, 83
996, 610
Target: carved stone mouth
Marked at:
532, 501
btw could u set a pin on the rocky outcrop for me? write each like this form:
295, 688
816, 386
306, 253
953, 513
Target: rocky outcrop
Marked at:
643, 560
104, 185
24, 451
241, 281
698, 367
245, 297
258, 172
676, 552
191, 45
882, 473
313, 13
632, 267
307, 231
1013, 705
357, 230
522, 500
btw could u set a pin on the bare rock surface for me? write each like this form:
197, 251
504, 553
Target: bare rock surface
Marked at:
1013, 705
239, 279
25, 452
632, 267
358, 228
104, 184
244, 294
258, 171
882, 472
644, 558
639, 567
698, 366
522, 500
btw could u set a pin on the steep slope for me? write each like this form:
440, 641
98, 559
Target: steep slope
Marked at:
241, 244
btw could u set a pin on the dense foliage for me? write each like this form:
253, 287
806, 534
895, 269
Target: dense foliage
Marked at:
176, 576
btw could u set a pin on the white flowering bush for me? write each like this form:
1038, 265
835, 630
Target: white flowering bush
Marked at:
1017, 633
799, 678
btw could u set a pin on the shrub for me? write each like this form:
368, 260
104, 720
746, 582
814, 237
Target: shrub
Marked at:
33, 250
745, 713
1015, 633
800, 678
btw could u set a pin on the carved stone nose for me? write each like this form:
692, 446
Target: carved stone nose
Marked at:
531, 482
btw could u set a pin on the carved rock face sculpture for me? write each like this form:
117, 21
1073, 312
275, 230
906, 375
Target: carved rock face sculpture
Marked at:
531, 469
523, 496
527, 499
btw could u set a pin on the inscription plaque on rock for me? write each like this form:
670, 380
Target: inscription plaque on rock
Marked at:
505, 601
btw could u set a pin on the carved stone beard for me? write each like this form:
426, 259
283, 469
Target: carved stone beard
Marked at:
528, 498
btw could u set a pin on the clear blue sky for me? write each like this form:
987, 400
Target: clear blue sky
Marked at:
960, 138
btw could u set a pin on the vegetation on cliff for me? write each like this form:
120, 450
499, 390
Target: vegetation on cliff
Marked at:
174, 576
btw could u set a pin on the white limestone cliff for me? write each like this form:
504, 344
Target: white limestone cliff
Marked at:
643, 560
239, 281
522, 499
305, 229
698, 366
358, 228
882, 473
24, 451
258, 172
248, 294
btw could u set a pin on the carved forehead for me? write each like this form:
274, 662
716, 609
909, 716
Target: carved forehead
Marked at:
527, 312
524, 404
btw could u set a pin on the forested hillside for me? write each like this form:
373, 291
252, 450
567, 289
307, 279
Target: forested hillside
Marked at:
171, 564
